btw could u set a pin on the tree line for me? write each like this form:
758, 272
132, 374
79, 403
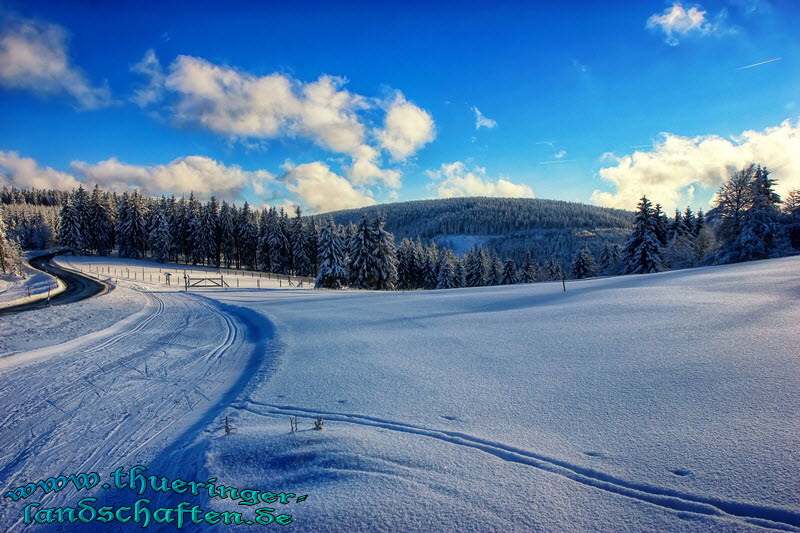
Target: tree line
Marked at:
748, 221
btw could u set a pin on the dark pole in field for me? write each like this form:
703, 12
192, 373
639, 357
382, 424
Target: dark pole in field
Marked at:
564, 283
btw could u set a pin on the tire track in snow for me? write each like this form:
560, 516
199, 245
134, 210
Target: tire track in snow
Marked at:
119, 400
756, 514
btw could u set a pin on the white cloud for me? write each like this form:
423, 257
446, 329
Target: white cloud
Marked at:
407, 128
454, 180
231, 102
678, 163
482, 121
25, 172
201, 175
33, 56
560, 154
150, 67
678, 21
322, 189
365, 171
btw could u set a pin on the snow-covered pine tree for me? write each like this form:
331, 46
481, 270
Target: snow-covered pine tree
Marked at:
181, 229
474, 269
609, 260
430, 268
247, 230
583, 265
385, 254
759, 234
642, 253
552, 270
660, 225
332, 273
405, 265
495, 272
509, 273
459, 274
227, 227
699, 223
362, 255
11, 261
676, 228
202, 238
101, 234
80, 201
160, 237
302, 263
418, 266
69, 231
212, 222
279, 244
131, 226
528, 269
446, 278
312, 245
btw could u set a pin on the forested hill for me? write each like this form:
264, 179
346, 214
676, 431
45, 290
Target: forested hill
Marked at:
509, 226
488, 216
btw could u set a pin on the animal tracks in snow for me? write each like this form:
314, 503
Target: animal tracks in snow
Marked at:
676, 500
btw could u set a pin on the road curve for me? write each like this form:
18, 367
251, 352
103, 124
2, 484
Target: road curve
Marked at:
79, 287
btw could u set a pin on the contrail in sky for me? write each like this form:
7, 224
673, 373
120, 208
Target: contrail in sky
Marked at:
762, 63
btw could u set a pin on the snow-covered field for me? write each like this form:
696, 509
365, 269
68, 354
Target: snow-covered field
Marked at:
665, 402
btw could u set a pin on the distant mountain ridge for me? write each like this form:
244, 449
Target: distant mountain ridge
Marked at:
487, 216
510, 226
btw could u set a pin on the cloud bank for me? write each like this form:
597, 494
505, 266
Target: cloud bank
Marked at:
455, 179
677, 164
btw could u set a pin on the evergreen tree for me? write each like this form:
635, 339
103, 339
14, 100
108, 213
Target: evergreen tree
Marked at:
509, 273
101, 235
609, 260
474, 269
446, 278
459, 274
302, 263
385, 257
11, 261
160, 238
279, 244
362, 255
406, 267
528, 270
660, 225
69, 232
247, 231
583, 265
312, 245
227, 233
495, 272
332, 273
552, 270
642, 253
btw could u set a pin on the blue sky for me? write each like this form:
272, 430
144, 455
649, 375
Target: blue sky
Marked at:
348, 104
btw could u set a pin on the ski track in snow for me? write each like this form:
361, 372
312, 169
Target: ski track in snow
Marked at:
759, 515
121, 396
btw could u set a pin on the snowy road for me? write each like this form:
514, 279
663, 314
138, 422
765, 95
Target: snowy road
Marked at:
135, 393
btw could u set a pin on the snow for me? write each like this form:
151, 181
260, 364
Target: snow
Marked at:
659, 402
150, 274
14, 290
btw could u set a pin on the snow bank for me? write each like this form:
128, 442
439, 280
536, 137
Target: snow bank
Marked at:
34, 286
